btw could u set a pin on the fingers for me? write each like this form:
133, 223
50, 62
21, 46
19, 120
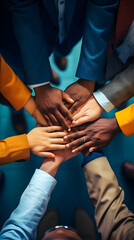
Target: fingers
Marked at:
80, 121
62, 120
95, 148
83, 147
57, 147
75, 135
57, 134
46, 154
67, 98
53, 120
52, 129
66, 113
74, 107
57, 141
47, 120
76, 143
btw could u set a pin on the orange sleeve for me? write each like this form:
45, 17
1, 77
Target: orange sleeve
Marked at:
125, 119
13, 149
11, 87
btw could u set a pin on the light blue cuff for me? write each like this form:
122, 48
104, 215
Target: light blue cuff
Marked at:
44, 181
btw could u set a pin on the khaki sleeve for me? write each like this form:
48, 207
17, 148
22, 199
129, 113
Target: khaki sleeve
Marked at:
125, 119
11, 87
13, 149
114, 220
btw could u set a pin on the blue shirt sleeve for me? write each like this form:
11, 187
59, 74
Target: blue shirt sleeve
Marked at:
23, 222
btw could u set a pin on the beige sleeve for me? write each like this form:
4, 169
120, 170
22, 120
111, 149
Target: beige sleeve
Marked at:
114, 220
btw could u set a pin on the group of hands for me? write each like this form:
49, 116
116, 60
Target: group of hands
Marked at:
70, 121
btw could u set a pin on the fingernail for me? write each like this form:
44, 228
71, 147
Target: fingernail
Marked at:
69, 130
73, 151
65, 137
52, 156
73, 121
67, 133
67, 146
60, 127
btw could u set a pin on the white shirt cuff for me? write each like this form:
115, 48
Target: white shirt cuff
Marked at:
38, 85
103, 101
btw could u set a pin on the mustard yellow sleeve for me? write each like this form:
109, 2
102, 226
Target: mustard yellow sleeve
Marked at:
11, 87
125, 119
13, 149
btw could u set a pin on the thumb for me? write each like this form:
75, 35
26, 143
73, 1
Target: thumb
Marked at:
47, 155
67, 98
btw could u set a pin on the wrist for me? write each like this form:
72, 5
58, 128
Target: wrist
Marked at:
87, 83
115, 125
41, 88
49, 166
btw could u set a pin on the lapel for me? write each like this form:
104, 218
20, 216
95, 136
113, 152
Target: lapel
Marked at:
51, 8
69, 10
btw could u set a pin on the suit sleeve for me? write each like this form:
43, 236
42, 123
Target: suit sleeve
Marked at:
13, 149
114, 220
29, 33
121, 88
11, 87
125, 119
98, 27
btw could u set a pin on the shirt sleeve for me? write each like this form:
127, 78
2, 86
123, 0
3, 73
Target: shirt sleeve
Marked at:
13, 149
11, 87
23, 222
103, 101
125, 119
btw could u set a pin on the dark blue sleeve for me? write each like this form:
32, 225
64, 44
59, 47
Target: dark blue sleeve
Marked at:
97, 33
92, 156
28, 29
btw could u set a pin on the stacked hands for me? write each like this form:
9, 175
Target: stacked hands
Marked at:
75, 112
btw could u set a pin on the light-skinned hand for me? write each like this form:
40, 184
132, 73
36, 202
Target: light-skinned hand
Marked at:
44, 139
88, 112
80, 91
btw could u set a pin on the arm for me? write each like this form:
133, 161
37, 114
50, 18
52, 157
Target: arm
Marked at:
24, 220
98, 27
29, 33
119, 90
11, 87
40, 141
114, 220
97, 32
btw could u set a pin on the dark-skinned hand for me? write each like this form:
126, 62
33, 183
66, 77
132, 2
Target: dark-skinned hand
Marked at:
80, 92
98, 134
50, 103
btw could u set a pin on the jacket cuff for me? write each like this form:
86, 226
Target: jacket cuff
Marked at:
125, 119
14, 149
92, 156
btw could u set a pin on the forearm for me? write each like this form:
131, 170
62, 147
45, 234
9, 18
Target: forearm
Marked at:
113, 219
98, 27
